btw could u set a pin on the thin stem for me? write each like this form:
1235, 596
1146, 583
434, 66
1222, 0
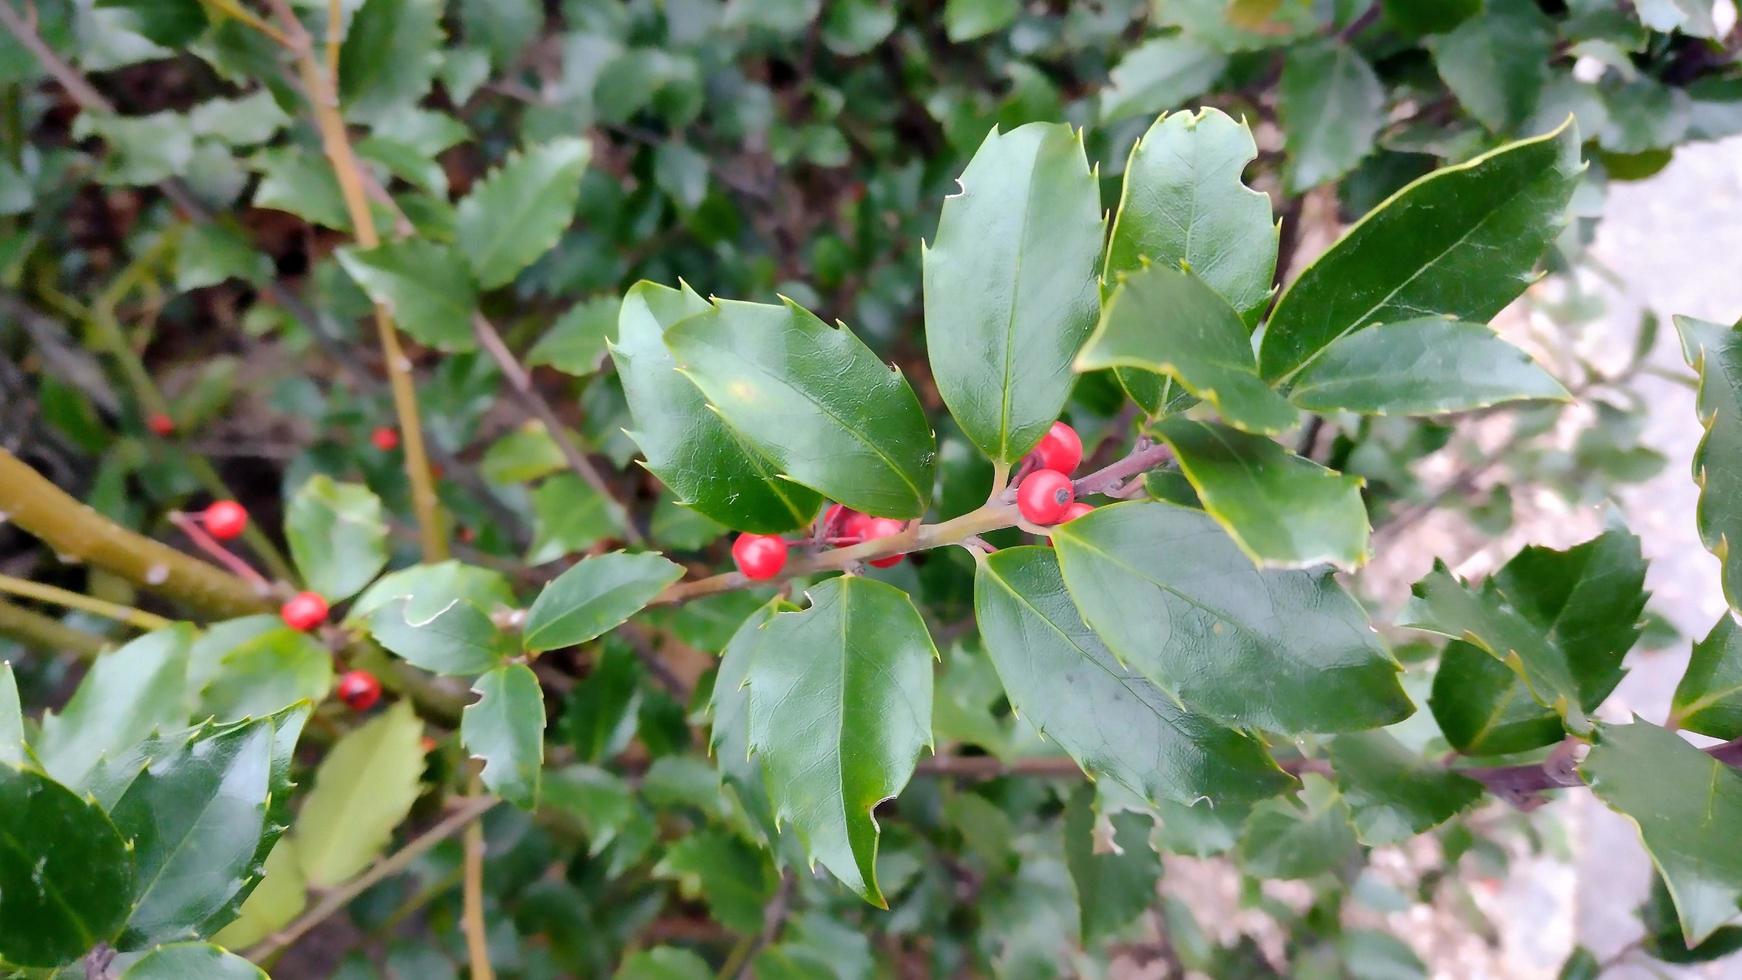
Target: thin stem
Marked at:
46, 633
248, 17
208, 544
138, 618
463, 816
472, 915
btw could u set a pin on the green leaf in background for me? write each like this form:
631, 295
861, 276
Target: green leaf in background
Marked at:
388, 58
1484, 708
265, 674
66, 875
1331, 106
208, 254
1285, 838
1168, 321
426, 285
840, 707
195, 818
729, 710
299, 181
1115, 870
1498, 63
505, 728
280, 897
1459, 242
503, 27
593, 596
575, 343
1161, 73
1420, 367
1688, 16
1394, 793
1111, 720
1173, 597
192, 961
814, 400
1429, 16
965, 20
1709, 698
428, 589
337, 534
1688, 807
1010, 285
664, 963
460, 640
170, 23
11, 718
523, 454
1715, 354
127, 695
571, 516
519, 210
1282, 510
734, 877
247, 121
693, 451
362, 790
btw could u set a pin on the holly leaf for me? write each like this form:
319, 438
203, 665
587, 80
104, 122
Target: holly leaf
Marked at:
1709, 698
1161, 73
1115, 871
734, 877
264, 674
729, 708
170, 23
426, 285
1283, 511
1175, 599
520, 209
192, 961
1062, 679
128, 694
1484, 708
593, 596
1688, 808
664, 963
1168, 321
1331, 106
1427, 366
1459, 242
1285, 838
1498, 64
458, 640
429, 589
66, 874
1010, 285
362, 790
505, 728
814, 400
279, 897
337, 534
575, 343
1394, 793
388, 58
1715, 353
693, 451
840, 706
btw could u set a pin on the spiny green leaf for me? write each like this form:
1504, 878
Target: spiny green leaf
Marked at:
1420, 367
458, 640
505, 728
517, 212
729, 708
128, 694
1709, 698
337, 534
595, 595
1715, 353
1484, 708
66, 874
1288, 839
362, 790
735, 878
1394, 793
428, 589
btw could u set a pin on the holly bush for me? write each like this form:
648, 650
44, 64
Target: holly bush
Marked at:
409, 565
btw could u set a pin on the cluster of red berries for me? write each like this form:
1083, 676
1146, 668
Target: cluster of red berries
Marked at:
762, 556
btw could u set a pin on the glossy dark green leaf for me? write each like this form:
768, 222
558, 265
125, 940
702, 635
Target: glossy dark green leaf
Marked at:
1715, 353
1174, 598
1484, 708
1394, 793
593, 596
66, 875
1460, 242
814, 400
1282, 510
279, 897
11, 718
459, 640
1113, 721
1168, 321
362, 790
195, 817
517, 212
1286, 838
1420, 367
1010, 285
1498, 63
729, 707
505, 728
710, 467
1429, 16
1688, 807
264, 674
337, 534
1114, 869
127, 695
192, 961
1331, 106
388, 58
426, 285
734, 877
1663, 938
840, 707
1709, 698
428, 589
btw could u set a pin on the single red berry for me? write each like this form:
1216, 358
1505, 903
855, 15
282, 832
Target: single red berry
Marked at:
1075, 511
359, 689
428, 745
842, 521
1060, 449
160, 425
225, 519
385, 438
1044, 496
759, 556
467, 535
304, 611
881, 527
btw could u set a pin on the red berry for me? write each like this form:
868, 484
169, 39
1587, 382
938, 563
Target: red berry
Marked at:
160, 425
873, 528
1044, 496
304, 611
842, 521
759, 556
1060, 449
225, 519
385, 438
1075, 511
359, 689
